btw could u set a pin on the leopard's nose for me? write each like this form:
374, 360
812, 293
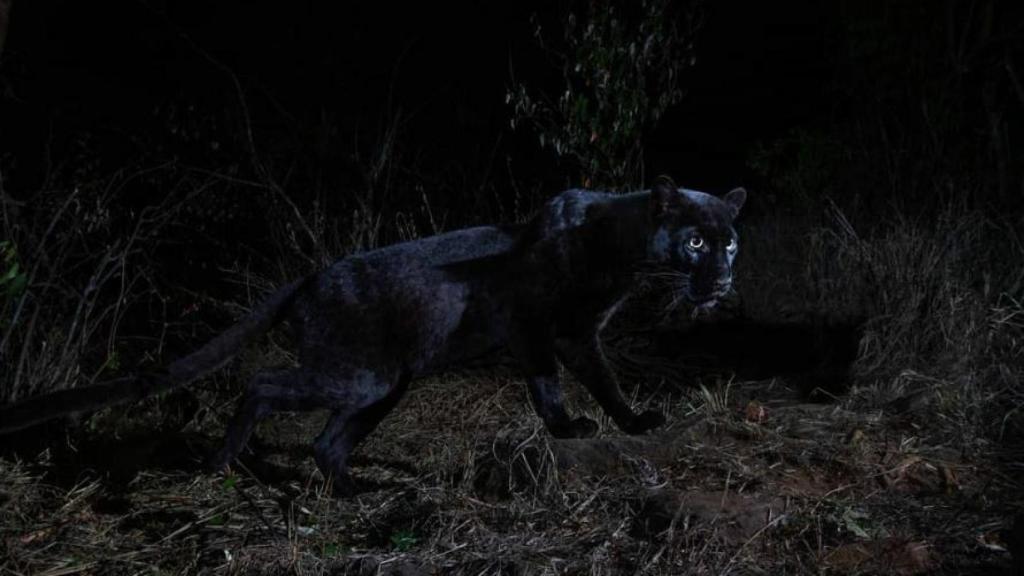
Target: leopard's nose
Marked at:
723, 283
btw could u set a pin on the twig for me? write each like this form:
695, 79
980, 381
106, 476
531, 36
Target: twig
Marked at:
257, 164
35, 269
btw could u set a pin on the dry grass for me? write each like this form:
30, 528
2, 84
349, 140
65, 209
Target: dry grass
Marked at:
75, 265
462, 480
915, 470
940, 299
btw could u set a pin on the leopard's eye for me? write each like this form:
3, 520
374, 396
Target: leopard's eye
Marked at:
696, 242
732, 246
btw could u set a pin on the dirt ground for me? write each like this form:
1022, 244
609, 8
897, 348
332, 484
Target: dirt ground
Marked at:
746, 478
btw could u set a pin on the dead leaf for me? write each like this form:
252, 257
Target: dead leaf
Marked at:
856, 437
35, 535
992, 541
949, 477
755, 412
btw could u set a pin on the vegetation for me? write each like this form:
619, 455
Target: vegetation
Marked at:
622, 67
901, 214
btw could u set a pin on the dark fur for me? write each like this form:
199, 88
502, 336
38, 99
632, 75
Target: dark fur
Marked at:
372, 322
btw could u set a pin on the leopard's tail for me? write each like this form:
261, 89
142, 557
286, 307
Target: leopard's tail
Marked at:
213, 355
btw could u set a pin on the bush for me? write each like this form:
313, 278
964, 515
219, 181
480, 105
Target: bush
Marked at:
621, 69
76, 265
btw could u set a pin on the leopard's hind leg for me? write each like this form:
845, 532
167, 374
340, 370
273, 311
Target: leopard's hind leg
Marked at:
346, 428
345, 392
267, 392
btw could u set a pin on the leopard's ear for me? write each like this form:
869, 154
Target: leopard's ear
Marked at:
735, 199
665, 197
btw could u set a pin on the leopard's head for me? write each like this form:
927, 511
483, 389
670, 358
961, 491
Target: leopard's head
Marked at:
692, 241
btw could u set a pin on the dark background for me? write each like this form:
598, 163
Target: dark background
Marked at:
115, 70
262, 128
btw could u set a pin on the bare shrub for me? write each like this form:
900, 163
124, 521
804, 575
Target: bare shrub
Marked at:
76, 264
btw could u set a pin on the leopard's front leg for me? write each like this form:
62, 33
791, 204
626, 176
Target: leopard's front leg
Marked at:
581, 351
535, 351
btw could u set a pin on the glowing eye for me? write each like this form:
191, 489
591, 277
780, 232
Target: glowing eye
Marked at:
696, 242
732, 245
